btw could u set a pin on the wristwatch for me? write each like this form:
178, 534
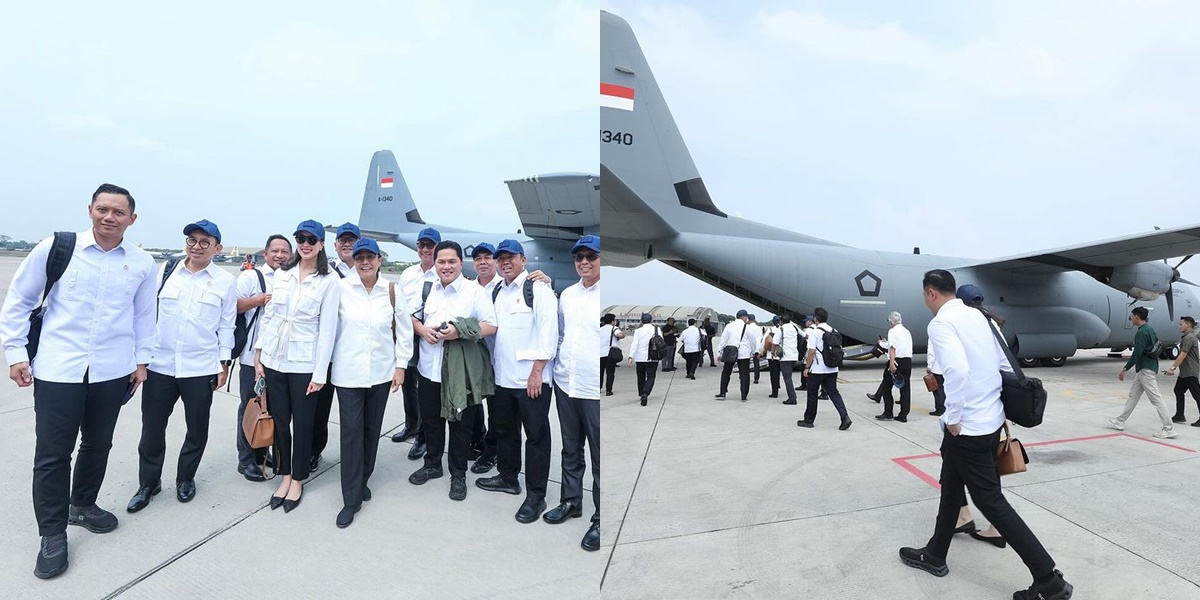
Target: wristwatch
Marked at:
226, 363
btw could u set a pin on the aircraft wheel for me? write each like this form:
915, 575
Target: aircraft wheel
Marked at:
1028, 363
1056, 361
1169, 353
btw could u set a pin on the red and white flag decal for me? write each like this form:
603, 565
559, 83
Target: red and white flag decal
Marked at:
616, 96
385, 182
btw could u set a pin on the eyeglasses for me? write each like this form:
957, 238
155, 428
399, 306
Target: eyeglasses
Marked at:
307, 240
347, 239
590, 257
204, 244
426, 245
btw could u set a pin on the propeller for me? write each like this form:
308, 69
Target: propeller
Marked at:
1175, 277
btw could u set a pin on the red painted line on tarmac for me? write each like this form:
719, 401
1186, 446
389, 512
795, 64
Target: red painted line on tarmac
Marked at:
1138, 437
926, 477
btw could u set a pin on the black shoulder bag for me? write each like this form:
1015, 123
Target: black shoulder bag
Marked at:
61, 252
614, 352
1024, 397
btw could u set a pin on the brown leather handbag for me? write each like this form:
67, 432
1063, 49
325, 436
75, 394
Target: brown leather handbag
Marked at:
931, 383
1010, 454
257, 423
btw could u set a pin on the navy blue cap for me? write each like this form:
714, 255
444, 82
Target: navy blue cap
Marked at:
510, 246
430, 233
591, 242
775, 319
483, 247
969, 293
349, 228
313, 227
646, 317
367, 244
206, 226
742, 313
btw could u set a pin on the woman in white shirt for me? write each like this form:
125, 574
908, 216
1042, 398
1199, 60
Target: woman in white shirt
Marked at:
374, 343
610, 337
293, 351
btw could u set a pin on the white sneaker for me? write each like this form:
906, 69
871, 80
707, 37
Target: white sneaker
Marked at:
1117, 424
1166, 433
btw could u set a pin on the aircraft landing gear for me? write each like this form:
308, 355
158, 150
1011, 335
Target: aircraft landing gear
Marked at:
1169, 353
1028, 363
1056, 361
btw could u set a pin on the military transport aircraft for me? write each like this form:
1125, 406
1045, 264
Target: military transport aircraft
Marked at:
555, 211
654, 206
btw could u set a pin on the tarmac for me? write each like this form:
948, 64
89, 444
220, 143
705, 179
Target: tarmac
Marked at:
407, 542
730, 499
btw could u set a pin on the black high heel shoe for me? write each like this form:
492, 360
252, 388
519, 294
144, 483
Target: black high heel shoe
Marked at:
995, 541
289, 505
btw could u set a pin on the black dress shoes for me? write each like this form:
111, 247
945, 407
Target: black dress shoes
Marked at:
458, 488
803, 423
185, 490
772, 395
403, 435
643, 400
845, 424
417, 452
420, 476
313, 463
498, 483
141, 499
884, 417
608, 393
366, 494
901, 419
591, 539
52, 557
252, 472
562, 512
530, 510
937, 413
289, 505
483, 465
346, 516
874, 397
789, 402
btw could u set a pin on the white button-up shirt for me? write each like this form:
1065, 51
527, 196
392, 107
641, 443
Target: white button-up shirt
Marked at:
789, 340
346, 271
299, 324
459, 300
412, 281
900, 338
99, 317
195, 321
576, 370
487, 289
365, 354
747, 344
247, 287
524, 334
970, 360
639, 346
609, 339
690, 338
817, 343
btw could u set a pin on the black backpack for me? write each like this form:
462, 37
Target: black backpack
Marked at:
657, 349
241, 327
832, 352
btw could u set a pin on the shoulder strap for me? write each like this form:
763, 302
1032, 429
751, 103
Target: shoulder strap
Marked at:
1012, 360
744, 326
495, 293
612, 333
392, 297
528, 290
262, 283
167, 270
61, 251
425, 291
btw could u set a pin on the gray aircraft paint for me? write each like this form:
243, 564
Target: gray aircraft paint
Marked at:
390, 214
654, 207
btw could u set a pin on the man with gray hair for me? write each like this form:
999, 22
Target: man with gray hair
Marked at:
900, 351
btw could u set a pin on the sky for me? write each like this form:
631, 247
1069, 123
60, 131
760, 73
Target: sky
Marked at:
258, 115
966, 129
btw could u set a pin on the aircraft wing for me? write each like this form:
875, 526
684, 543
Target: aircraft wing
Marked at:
564, 206
1095, 257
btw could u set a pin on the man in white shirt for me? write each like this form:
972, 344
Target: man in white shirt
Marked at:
348, 234
577, 388
483, 432
971, 360
789, 344
646, 370
692, 342
900, 351
193, 348
820, 375
95, 343
416, 281
254, 292
747, 339
526, 342
453, 298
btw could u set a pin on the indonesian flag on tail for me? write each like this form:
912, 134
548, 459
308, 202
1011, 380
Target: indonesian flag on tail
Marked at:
386, 182
616, 96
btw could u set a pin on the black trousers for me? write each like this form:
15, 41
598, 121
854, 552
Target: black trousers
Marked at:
159, 394
293, 411
1188, 384
64, 412
412, 404
483, 432
608, 370
434, 428
788, 367
970, 461
320, 437
939, 395
646, 372
743, 365
754, 359
904, 368
515, 410
816, 381
773, 369
884, 384
360, 411
579, 420
246, 454
691, 361
712, 362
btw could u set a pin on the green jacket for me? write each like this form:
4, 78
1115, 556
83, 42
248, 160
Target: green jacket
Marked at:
1143, 339
467, 376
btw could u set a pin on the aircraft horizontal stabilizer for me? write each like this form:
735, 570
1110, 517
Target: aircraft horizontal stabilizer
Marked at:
563, 206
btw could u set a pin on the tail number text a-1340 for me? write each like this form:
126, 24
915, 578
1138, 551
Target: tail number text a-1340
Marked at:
616, 137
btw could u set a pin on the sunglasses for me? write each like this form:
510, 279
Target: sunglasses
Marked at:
590, 257
424, 244
307, 240
347, 239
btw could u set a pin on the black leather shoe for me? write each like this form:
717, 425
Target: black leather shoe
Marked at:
937, 413
591, 539
483, 465
92, 518
424, 474
996, 541
1056, 588
1179, 419
403, 435
562, 512
643, 400
290, 505
967, 527
52, 556
1196, 424
252, 472
772, 395
366, 494
346, 516
719, 396
789, 402
530, 510
901, 419
141, 499
884, 417
417, 452
185, 490
874, 397
498, 483
608, 393
313, 463
920, 558
846, 423
458, 488
803, 423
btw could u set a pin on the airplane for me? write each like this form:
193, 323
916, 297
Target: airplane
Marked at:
654, 206
555, 211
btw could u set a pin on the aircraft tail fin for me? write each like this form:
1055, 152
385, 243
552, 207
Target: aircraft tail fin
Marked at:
387, 205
